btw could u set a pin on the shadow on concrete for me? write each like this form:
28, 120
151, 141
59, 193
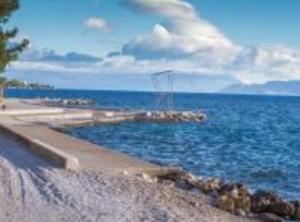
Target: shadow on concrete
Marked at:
22, 158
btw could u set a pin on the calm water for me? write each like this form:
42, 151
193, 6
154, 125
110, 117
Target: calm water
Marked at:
250, 139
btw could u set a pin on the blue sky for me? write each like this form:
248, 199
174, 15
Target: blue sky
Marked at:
57, 24
242, 40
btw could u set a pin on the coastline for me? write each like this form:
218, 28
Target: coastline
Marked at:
100, 160
33, 190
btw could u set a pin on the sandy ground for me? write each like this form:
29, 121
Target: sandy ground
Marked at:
33, 191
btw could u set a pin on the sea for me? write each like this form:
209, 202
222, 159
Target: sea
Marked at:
253, 140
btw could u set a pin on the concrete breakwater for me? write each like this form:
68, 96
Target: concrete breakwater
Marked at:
77, 112
171, 116
77, 118
154, 116
30, 123
67, 102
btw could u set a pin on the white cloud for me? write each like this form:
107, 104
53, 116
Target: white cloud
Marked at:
183, 34
45, 55
266, 63
98, 24
184, 42
166, 8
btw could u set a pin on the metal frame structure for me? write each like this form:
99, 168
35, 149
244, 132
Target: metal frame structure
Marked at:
165, 97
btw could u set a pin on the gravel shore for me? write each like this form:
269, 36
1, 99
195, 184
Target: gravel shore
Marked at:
34, 191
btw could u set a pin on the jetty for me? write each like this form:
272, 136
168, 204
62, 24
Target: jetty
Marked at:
34, 122
58, 113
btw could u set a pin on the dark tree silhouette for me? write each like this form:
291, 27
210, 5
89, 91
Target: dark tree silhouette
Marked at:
9, 49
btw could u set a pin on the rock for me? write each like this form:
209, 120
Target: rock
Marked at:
243, 190
227, 188
239, 194
243, 203
268, 202
268, 217
209, 186
283, 208
125, 173
182, 180
213, 184
172, 175
214, 194
261, 201
226, 203
297, 210
68, 102
184, 184
251, 215
186, 181
147, 178
168, 183
240, 212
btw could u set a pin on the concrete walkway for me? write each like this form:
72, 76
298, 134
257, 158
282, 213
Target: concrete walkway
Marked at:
89, 156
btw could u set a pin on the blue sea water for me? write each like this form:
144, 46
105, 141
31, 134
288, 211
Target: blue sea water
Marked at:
250, 139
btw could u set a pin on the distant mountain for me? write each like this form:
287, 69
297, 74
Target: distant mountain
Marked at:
269, 88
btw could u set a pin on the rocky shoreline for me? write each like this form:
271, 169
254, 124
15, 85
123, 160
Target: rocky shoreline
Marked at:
232, 197
171, 116
67, 102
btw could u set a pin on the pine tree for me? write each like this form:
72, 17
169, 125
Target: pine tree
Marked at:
9, 49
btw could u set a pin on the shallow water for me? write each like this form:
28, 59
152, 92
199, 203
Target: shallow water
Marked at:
251, 139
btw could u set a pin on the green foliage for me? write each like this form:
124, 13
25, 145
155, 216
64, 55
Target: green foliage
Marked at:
18, 84
9, 50
2, 80
15, 84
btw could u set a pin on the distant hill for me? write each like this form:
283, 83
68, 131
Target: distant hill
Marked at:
269, 88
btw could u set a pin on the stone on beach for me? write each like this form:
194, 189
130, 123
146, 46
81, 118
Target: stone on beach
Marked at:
269, 202
209, 186
226, 203
268, 217
297, 210
283, 208
235, 197
262, 201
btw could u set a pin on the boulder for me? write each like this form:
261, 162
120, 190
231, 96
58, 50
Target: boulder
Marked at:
242, 203
184, 184
242, 190
181, 179
147, 178
226, 203
227, 188
268, 202
240, 212
283, 208
261, 201
297, 210
268, 217
209, 186
172, 175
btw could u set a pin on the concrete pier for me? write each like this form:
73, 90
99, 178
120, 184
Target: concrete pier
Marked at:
63, 150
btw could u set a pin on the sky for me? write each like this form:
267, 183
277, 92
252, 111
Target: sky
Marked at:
116, 44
